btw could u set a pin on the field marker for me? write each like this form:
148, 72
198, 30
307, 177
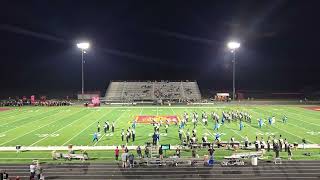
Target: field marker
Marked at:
99, 139
284, 129
256, 128
198, 121
15, 110
234, 131
313, 133
37, 128
28, 117
114, 122
87, 127
30, 122
305, 121
178, 117
141, 111
287, 122
60, 129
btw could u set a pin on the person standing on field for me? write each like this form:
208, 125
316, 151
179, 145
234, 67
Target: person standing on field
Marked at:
289, 152
133, 131
160, 153
98, 127
112, 127
116, 153
124, 158
122, 134
95, 137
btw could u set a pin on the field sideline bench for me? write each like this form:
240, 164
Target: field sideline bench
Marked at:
246, 155
172, 161
57, 155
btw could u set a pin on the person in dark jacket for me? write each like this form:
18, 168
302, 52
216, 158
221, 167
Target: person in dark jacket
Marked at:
160, 153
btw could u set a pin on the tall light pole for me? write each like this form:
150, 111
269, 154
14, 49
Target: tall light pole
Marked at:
233, 46
83, 46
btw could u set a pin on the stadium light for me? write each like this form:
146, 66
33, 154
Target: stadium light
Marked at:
83, 46
233, 46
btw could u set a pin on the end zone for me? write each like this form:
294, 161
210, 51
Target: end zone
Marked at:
313, 108
4, 109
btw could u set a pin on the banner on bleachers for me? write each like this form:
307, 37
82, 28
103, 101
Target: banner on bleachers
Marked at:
33, 99
95, 101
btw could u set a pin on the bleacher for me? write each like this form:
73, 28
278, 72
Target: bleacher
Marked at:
130, 91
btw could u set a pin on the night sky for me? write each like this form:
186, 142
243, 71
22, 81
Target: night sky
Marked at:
154, 40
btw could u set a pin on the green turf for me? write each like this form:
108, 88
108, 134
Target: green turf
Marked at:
108, 156
44, 126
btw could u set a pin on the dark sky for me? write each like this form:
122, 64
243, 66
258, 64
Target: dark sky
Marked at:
167, 39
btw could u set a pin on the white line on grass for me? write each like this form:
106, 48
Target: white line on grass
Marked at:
200, 122
13, 113
234, 131
287, 122
39, 128
87, 127
26, 117
99, 139
61, 129
178, 115
141, 111
29, 122
114, 122
284, 130
305, 121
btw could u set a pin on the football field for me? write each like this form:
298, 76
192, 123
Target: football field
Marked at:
61, 126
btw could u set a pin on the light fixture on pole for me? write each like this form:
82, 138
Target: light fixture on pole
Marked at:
233, 46
83, 46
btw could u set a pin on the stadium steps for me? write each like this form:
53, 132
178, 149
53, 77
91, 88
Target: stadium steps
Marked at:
289, 169
154, 151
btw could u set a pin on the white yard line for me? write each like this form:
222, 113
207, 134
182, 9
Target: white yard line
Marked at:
285, 130
30, 122
61, 129
39, 128
87, 128
13, 113
114, 122
287, 122
200, 122
141, 111
178, 115
305, 121
234, 131
99, 139
26, 117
